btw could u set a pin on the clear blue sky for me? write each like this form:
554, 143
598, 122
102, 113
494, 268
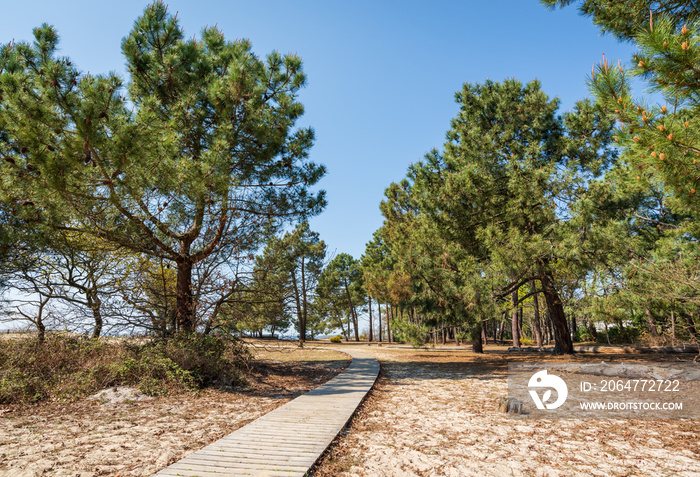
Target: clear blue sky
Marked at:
381, 74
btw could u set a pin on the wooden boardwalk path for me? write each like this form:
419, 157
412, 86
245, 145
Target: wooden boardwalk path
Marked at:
288, 440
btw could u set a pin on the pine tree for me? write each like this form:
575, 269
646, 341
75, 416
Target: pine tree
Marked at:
292, 265
660, 150
197, 154
492, 213
341, 282
625, 18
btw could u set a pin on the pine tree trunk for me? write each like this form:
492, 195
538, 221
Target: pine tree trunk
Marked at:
300, 319
379, 320
371, 337
342, 327
574, 326
478, 343
514, 320
652, 325
346, 334
353, 315
536, 320
591, 328
502, 329
389, 317
185, 305
562, 338
520, 321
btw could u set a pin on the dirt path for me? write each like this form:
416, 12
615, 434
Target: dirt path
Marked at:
86, 438
435, 413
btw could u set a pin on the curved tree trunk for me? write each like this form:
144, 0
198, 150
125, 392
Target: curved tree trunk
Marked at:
95, 304
562, 338
40, 327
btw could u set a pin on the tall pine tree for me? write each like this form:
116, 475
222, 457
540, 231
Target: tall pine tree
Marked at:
198, 153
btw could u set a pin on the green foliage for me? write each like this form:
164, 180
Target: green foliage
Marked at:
469, 226
341, 286
660, 142
72, 368
625, 335
377, 267
648, 203
409, 332
284, 283
210, 359
195, 158
624, 18
583, 334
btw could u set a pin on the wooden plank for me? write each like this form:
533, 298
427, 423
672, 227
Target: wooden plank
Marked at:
291, 447
252, 448
269, 456
197, 464
238, 472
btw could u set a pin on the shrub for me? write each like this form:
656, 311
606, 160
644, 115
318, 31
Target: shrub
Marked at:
628, 334
407, 332
583, 334
71, 368
526, 341
336, 339
211, 359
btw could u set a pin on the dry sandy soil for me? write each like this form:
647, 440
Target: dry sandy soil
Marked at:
434, 413
138, 438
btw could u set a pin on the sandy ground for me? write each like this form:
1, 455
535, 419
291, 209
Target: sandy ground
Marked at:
434, 413
137, 438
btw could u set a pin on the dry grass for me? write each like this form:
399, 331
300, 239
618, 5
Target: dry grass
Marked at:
68, 368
